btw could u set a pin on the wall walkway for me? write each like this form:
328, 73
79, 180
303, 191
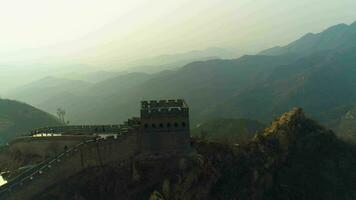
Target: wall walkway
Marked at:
91, 153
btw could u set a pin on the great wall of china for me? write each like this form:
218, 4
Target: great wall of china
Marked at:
162, 128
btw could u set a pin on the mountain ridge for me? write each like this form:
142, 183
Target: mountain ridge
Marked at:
337, 36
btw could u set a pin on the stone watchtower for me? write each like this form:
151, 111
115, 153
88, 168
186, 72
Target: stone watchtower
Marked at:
164, 126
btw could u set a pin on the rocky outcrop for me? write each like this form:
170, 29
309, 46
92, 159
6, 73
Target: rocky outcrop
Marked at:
288, 160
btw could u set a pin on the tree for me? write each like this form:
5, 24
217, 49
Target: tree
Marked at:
61, 114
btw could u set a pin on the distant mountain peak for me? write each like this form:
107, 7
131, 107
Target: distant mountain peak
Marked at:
337, 27
334, 37
308, 35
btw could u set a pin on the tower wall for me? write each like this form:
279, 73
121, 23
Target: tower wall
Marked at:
165, 126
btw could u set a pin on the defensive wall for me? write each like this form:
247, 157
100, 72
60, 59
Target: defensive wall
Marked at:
163, 127
79, 129
87, 129
92, 153
46, 146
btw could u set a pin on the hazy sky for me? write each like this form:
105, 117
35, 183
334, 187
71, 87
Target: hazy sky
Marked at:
100, 32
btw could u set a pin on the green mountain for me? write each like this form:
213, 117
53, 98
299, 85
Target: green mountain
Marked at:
322, 83
261, 87
17, 118
203, 84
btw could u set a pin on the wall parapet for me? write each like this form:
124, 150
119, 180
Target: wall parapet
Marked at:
163, 108
163, 103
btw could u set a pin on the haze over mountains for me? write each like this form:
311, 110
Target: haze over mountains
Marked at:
178, 100
174, 61
316, 72
17, 74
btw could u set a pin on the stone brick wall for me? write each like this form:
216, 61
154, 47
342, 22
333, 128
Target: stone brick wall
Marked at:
45, 146
164, 126
92, 154
79, 129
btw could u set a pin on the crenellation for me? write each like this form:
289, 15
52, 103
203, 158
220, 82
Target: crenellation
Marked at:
144, 104
171, 101
163, 103
164, 108
165, 126
153, 103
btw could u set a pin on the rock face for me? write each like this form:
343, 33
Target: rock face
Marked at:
276, 145
299, 159
163, 178
293, 158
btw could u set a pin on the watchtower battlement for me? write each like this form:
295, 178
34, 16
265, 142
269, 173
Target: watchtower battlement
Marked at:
164, 108
165, 126
164, 103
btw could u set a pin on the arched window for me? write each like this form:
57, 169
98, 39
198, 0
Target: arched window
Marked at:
146, 125
175, 124
168, 124
183, 124
153, 125
161, 125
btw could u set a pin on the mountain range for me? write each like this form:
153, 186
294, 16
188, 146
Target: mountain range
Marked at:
316, 72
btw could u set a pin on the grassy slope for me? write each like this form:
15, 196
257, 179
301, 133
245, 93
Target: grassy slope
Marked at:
18, 118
